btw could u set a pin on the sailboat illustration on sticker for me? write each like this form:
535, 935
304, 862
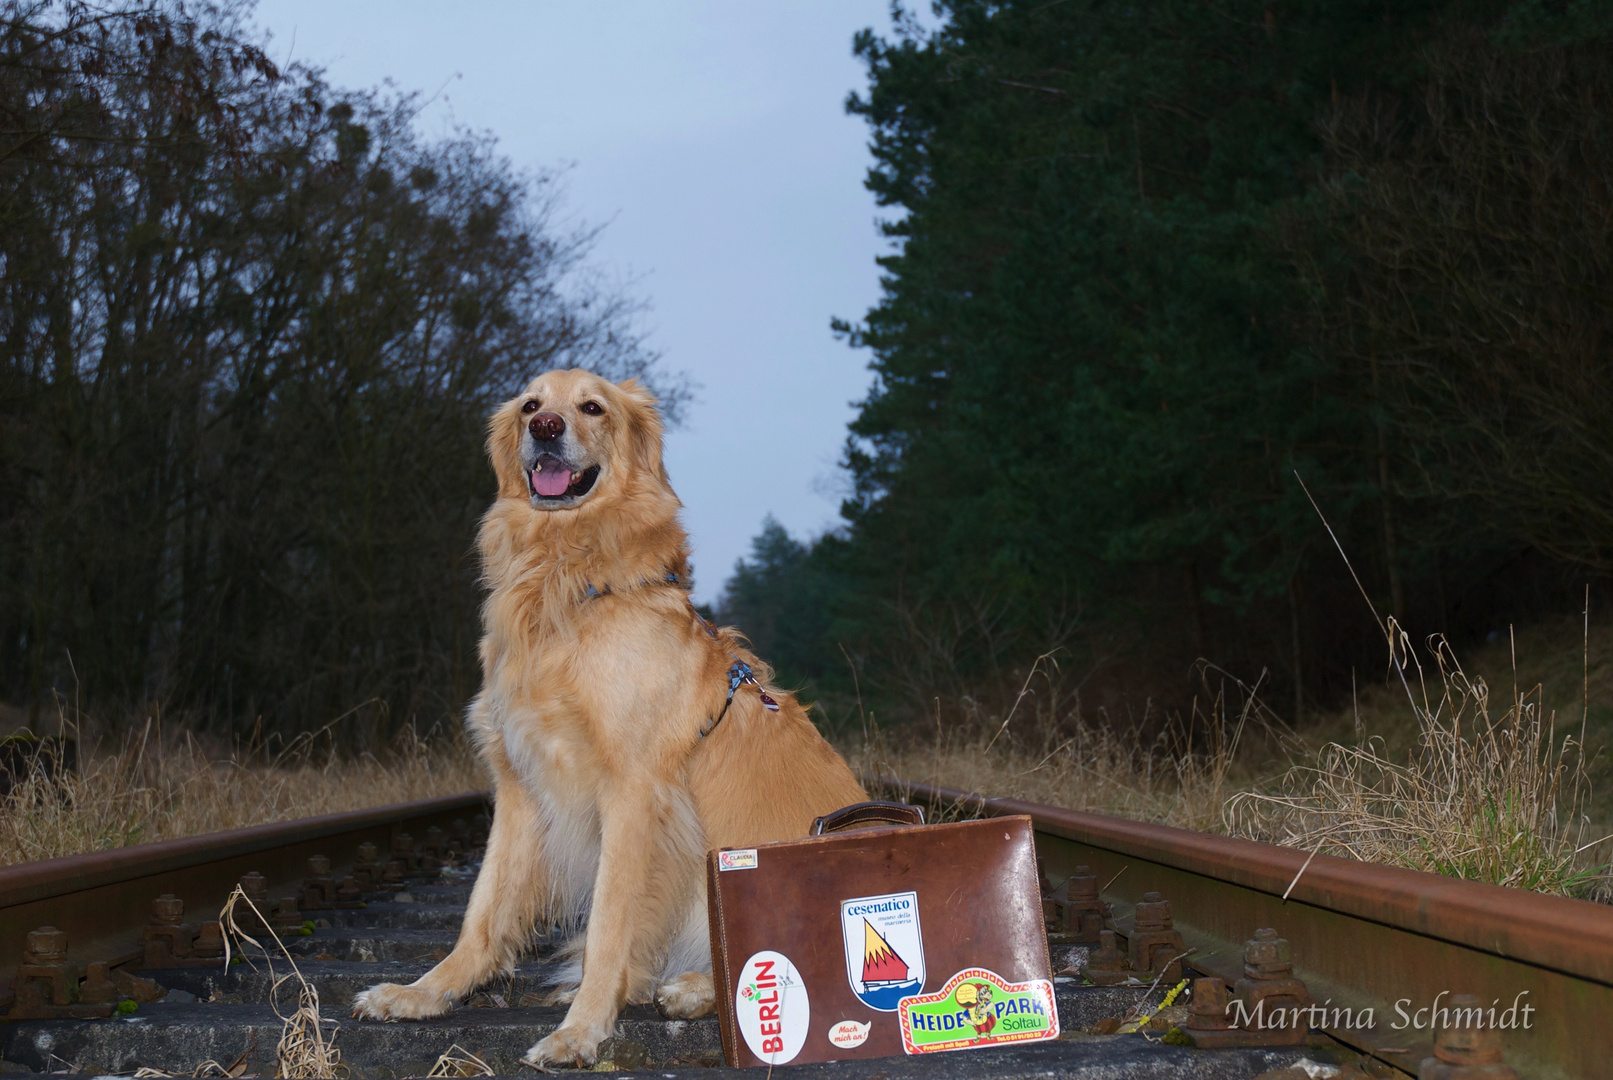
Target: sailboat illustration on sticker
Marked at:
884, 948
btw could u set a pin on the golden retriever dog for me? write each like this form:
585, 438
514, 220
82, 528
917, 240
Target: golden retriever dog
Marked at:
625, 736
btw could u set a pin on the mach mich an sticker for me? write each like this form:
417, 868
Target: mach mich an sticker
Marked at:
977, 1008
884, 949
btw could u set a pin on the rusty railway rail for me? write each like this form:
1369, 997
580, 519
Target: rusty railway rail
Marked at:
1364, 936
100, 900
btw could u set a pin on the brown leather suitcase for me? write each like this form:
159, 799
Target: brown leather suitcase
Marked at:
886, 940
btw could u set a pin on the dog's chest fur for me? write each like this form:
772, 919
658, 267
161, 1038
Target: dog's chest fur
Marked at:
546, 741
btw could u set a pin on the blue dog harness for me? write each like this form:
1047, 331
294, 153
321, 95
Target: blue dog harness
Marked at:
593, 594
739, 673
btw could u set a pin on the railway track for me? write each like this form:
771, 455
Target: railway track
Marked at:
378, 896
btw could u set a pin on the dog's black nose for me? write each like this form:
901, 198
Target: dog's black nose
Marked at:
546, 426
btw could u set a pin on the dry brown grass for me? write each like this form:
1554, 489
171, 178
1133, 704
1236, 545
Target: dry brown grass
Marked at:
1429, 772
1435, 776
1044, 748
1563, 666
457, 1062
1489, 794
306, 1050
154, 783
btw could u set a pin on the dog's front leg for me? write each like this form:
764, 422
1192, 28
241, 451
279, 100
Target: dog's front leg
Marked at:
503, 908
649, 861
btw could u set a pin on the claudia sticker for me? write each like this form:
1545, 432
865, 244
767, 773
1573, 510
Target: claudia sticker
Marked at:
737, 859
849, 1033
770, 1003
884, 949
978, 1008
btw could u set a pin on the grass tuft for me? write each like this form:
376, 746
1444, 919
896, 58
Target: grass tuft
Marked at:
306, 1050
456, 1062
1497, 798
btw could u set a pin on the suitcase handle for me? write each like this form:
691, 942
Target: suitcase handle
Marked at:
867, 815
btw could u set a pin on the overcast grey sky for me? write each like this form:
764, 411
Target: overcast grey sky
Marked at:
711, 140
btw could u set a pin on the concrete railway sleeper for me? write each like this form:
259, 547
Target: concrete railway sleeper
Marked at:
113, 963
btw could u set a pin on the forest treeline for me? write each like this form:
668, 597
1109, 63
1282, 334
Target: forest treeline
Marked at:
251, 327
1152, 265
1157, 269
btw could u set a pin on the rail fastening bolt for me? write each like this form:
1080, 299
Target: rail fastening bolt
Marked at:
1106, 965
47, 945
256, 888
167, 910
210, 941
1209, 1008
1083, 885
1464, 1049
1153, 913
1267, 956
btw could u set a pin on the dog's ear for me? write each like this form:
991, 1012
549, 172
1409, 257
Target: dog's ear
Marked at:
643, 427
504, 449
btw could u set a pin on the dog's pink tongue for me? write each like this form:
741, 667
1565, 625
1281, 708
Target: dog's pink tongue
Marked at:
551, 479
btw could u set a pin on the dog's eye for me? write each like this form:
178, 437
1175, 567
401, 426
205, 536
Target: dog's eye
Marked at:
592, 408
530, 407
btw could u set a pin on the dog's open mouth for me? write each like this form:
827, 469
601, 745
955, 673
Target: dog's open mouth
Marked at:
554, 479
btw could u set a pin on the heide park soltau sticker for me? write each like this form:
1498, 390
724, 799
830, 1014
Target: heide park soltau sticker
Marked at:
737, 859
976, 1008
771, 1007
884, 948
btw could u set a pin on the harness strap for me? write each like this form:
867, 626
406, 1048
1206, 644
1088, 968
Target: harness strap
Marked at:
739, 672
669, 578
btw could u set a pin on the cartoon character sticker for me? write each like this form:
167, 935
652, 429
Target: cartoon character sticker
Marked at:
771, 1007
977, 1007
976, 1001
884, 948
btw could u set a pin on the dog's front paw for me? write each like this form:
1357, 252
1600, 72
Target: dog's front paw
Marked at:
389, 1001
687, 996
568, 1046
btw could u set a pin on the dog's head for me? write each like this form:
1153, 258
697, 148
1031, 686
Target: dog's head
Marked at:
571, 440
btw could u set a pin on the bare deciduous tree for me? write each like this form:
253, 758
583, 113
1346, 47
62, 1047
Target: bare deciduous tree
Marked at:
251, 328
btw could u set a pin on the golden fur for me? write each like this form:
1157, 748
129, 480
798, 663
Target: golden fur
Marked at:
606, 796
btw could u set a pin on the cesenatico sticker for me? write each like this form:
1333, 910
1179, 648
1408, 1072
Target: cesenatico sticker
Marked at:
976, 1008
770, 1004
848, 1033
884, 948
